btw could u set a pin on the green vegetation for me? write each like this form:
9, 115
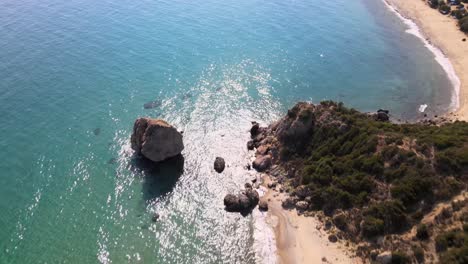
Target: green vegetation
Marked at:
453, 246
399, 257
463, 23
391, 172
422, 232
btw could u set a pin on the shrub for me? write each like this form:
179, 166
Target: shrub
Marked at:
418, 253
422, 232
444, 8
392, 213
463, 23
399, 257
372, 227
340, 221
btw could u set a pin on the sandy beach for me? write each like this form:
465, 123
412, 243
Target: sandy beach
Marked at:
298, 240
442, 32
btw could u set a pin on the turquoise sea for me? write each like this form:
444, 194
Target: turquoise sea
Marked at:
74, 75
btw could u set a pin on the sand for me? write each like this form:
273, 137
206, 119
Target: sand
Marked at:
442, 32
298, 240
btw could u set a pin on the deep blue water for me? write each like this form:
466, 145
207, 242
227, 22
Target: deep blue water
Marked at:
75, 74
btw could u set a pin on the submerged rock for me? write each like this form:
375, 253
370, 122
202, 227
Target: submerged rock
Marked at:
219, 164
155, 139
97, 131
155, 217
152, 104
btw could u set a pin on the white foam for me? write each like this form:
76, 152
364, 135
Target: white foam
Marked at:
264, 236
422, 108
439, 56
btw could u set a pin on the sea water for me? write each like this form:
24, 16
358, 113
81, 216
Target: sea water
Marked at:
74, 75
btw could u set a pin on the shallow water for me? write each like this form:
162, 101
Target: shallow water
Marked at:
75, 75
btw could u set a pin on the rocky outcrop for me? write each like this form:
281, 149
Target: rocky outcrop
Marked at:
155, 139
262, 163
243, 202
219, 164
382, 115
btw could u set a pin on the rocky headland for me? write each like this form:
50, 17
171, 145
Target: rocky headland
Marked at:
396, 193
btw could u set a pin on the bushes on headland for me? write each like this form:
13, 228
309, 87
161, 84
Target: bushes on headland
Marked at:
387, 170
463, 23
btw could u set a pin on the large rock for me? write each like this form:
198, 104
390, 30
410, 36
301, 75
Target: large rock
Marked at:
254, 129
262, 163
231, 203
155, 139
219, 164
297, 124
243, 202
382, 115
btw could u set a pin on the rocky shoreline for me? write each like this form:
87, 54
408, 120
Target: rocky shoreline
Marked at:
282, 152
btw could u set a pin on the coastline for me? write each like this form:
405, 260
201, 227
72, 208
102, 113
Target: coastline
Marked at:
441, 35
299, 238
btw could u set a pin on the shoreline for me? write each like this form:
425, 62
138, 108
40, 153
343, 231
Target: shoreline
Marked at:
441, 35
299, 238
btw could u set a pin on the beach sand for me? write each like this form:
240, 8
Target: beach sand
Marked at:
297, 238
442, 32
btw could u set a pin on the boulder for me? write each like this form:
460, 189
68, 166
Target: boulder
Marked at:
243, 202
219, 164
155, 139
384, 257
382, 115
263, 205
302, 205
332, 238
253, 197
262, 150
231, 203
254, 129
262, 163
250, 145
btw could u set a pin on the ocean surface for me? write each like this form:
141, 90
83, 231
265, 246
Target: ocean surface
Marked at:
74, 75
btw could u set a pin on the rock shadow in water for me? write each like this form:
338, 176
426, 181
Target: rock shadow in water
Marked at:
159, 178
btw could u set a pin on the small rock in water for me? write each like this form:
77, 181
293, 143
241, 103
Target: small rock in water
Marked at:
152, 104
97, 131
219, 164
112, 161
186, 96
155, 217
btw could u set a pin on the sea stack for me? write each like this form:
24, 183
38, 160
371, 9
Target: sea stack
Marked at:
155, 139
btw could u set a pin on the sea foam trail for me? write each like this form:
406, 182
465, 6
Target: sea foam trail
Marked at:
439, 56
